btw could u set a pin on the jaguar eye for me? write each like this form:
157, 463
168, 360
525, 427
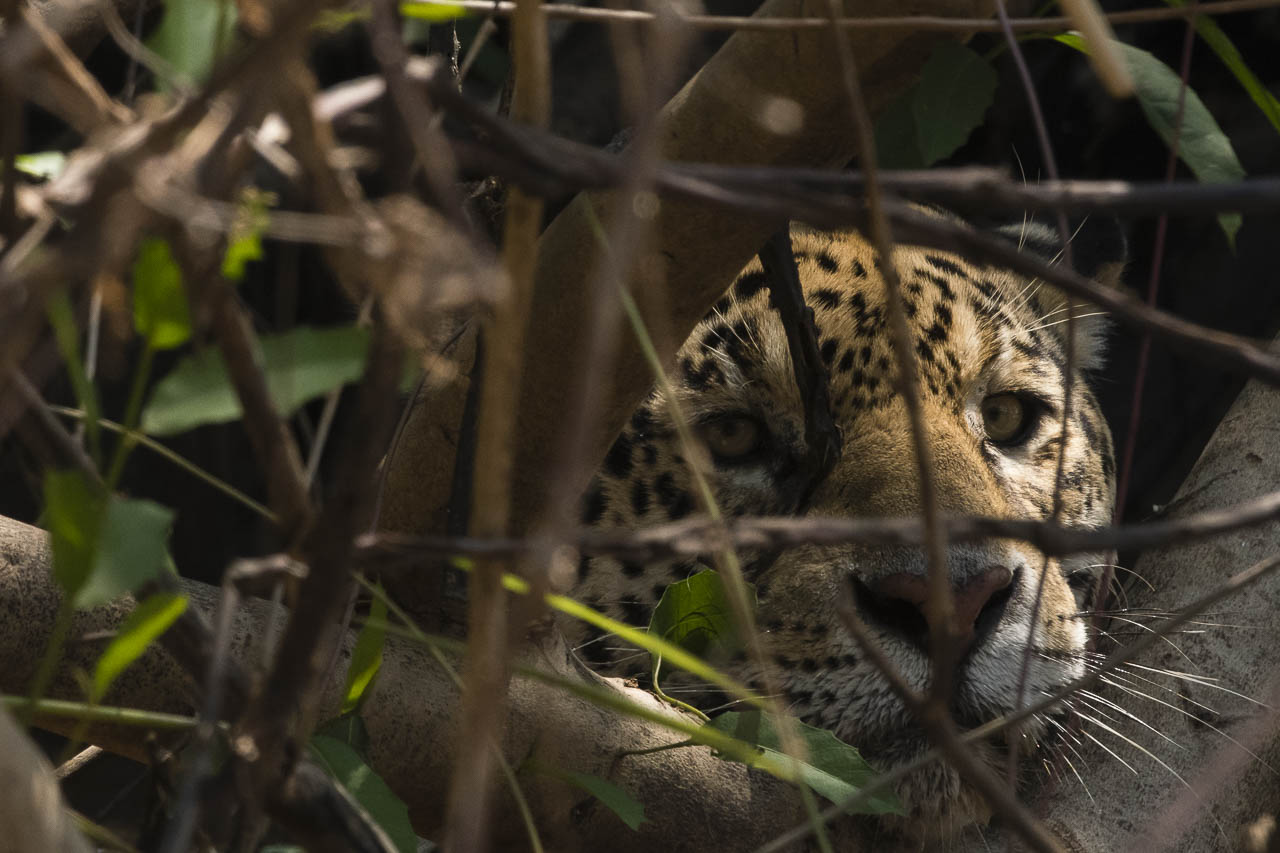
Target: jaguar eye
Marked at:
1007, 418
732, 438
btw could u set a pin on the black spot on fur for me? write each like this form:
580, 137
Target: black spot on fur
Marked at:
639, 496
649, 453
846, 362
827, 262
716, 335
642, 419
828, 350
594, 504
749, 284
633, 570
618, 460
943, 265
859, 271
634, 612
674, 500
826, 297
584, 567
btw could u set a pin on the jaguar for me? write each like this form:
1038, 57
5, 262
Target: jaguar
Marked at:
991, 354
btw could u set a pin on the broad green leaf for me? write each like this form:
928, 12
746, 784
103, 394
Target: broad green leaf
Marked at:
192, 33
897, 142
73, 513
1213, 36
160, 311
145, 624
694, 614
366, 657
956, 87
131, 551
1201, 144
832, 767
626, 807
300, 364
244, 242
41, 164
433, 11
387, 810
101, 548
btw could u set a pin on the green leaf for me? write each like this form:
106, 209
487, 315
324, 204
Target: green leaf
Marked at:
433, 12
244, 242
1201, 145
160, 311
350, 730
300, 364
191, 35
73, 512
897, 142
145, 624
1213, 36
694, 614
101, 549
626, 807
387, 810
366, 658
956, 87
833, 768
41, 164
131, 551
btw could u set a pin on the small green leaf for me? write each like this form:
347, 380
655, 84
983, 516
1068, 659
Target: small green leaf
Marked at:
387, 810
145, 624
192, 33
300, 364
897, 141
626, 807
244, 241
833, 768
366, 658
131, 551
73, 512
433, 12
694, 614
1201, 144
41, 164
102, 549
956, 87
160, 311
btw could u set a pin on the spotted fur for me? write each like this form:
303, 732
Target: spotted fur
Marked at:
976, 331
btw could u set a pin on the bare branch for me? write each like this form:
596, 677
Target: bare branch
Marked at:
923, 23
699, 536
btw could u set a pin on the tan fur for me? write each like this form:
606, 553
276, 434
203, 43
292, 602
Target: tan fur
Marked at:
978, 332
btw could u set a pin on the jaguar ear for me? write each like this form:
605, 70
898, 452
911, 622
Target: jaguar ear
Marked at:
1099, 250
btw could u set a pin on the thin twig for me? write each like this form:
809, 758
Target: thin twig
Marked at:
920, 23
938, 608
697, 536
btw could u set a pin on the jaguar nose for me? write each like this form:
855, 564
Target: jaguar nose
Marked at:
898, 601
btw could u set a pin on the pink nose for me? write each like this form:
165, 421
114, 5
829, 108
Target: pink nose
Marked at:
907, 591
